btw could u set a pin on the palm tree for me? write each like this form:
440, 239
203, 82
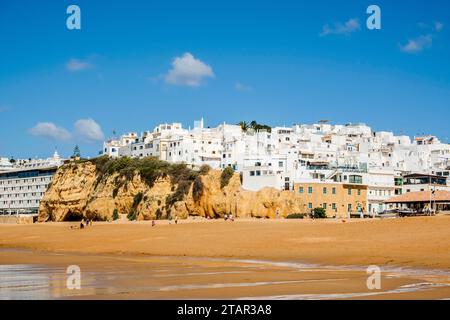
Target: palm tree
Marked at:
244, 125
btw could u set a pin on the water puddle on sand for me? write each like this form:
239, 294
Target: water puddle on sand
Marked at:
333, 296
25, 282
142, 277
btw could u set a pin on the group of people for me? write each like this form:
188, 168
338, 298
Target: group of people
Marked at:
228, 217
170, 221
83, 224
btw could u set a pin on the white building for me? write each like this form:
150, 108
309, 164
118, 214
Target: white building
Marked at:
5, 164
304, 152
23, 185
424, 182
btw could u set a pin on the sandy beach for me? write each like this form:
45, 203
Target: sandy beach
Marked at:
283, 259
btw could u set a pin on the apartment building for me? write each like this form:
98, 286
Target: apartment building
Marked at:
314, 153
23, 185
338, 199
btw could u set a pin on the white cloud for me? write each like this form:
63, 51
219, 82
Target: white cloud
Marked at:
418, 44
242, 87
352, 25
75, 65
50, 131
438, 26
188, 71
89, 129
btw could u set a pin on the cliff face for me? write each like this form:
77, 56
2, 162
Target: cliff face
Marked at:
78, 191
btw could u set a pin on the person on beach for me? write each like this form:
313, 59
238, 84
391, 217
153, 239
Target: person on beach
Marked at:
225, 217
153, 223
176, 219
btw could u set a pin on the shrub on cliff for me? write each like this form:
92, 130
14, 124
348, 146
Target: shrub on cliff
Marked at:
180, 192
150, 169
115, 215
137, 199
204, 170
226, 176
197, 189
133, 213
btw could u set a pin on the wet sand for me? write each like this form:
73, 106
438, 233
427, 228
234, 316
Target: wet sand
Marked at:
248, 259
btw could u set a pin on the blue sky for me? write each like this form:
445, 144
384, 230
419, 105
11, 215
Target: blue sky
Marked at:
135, 64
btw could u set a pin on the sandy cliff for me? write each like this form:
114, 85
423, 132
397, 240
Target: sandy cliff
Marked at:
78, 191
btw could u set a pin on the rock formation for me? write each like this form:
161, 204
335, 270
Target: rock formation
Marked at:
79, 191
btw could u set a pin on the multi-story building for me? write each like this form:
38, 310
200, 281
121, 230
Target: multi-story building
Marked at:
6, 164
112, 146
338, 199
24, 184
424, 182
284, 156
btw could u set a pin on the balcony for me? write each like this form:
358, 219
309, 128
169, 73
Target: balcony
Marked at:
355, 179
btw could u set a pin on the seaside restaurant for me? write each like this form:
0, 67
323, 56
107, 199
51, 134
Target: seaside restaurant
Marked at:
420, 201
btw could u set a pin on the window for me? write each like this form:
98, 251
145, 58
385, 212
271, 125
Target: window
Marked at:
310, 190
349, 191
300, 189
334, 190
324, 190
359, 192
252, 173
325, 206
350, 207
333, 206
310, 206
355, 179
280, 164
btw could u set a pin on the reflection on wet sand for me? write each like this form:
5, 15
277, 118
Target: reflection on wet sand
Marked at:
36, 275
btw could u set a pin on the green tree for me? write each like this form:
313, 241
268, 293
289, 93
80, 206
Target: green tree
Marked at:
76, 152
319, 213
244, 126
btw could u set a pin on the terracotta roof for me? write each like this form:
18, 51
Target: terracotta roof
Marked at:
421, 196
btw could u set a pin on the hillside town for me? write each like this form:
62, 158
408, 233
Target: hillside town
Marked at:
348, 170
